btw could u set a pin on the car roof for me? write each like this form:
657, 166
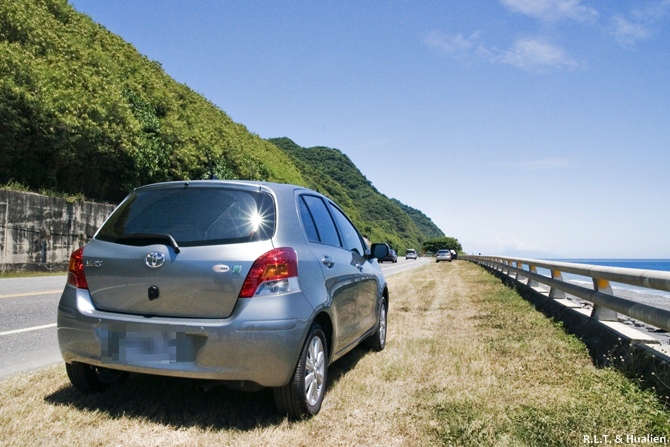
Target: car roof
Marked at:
214, 183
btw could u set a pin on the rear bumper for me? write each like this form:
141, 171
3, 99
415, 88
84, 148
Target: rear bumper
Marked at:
260, 342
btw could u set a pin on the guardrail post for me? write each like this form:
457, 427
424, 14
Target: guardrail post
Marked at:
518, 276
608, 306
602, 313
554, 293
532, 282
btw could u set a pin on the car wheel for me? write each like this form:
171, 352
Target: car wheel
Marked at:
377, 341
303, 395
90, 379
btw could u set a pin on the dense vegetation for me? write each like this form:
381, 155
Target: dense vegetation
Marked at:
444, 242
83, 113
333, 173
423, 222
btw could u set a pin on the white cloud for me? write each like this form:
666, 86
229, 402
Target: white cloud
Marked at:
450, 43
628, 32
552, 9
640, 24
532, 55
535, 55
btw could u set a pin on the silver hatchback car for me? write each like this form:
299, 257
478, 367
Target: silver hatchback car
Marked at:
251, 284
443, 255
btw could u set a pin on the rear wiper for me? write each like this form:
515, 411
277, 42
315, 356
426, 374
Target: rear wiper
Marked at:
141, 239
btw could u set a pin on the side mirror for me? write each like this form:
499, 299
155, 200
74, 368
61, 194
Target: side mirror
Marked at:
379, 251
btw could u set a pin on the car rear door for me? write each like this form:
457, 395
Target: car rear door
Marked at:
349, 279
342, 277
179, 251
153, 280
367, 283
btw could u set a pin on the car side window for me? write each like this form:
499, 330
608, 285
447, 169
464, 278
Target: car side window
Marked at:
350, 236
308, 222
321, 228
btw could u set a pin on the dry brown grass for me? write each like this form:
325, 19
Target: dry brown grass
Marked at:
467, 363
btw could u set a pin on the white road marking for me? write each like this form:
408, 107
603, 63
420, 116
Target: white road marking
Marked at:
34, 328
48, 292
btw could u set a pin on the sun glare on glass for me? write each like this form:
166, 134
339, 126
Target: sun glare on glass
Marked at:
256, 221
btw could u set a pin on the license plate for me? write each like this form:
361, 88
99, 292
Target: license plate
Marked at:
130, 344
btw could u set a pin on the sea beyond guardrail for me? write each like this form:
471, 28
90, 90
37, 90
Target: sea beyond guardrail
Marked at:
605, 306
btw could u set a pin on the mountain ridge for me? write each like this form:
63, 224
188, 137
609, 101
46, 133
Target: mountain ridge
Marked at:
83, 112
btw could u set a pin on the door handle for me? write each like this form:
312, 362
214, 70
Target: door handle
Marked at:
328, 262
359, 267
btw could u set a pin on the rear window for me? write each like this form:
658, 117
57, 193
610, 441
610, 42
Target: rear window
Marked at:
194, 216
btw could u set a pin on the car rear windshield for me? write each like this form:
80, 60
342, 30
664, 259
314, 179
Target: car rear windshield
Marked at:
192, 216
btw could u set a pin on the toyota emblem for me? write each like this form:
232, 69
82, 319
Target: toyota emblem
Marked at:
154, 259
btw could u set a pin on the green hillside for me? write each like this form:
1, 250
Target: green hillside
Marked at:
82, 112
423, 222
333, 173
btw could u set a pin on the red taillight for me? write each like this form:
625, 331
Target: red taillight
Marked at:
75, 273
275, 266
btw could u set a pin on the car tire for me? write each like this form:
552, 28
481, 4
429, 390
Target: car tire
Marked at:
90, 379
303, 395
377, 341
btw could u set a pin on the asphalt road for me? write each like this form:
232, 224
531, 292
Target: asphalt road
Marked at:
28, 319
28, 323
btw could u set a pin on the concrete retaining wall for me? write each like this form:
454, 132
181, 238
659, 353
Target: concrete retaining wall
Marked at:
39, 232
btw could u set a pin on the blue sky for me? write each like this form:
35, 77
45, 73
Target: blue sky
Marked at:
538, 128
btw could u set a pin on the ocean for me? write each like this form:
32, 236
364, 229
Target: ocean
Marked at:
644, 264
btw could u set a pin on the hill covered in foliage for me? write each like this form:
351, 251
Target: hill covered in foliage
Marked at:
423, 222
82, 112
331, 172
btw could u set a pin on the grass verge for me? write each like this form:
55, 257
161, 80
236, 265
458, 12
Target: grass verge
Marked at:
468, 363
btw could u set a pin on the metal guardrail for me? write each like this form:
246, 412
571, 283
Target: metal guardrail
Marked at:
606, 306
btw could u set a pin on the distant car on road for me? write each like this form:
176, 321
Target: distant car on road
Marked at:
250, 284
411, 254
443, 255
391, 257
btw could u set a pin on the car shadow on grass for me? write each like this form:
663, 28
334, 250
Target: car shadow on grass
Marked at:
178, 403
